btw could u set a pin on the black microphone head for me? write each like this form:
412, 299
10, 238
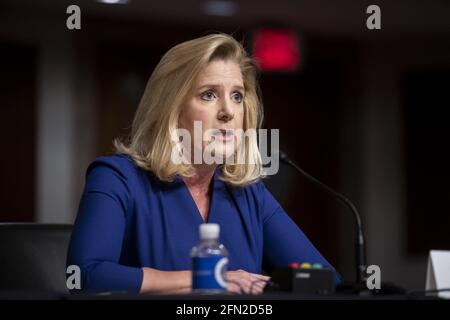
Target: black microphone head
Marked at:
283, 157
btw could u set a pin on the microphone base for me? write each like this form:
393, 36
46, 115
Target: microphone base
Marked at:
360, 289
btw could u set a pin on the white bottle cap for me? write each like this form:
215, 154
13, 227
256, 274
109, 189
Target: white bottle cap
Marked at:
209, 231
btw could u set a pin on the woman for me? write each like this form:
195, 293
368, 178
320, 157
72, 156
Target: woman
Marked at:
140, 210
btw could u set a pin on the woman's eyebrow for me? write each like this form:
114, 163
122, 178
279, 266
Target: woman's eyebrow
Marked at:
211, 85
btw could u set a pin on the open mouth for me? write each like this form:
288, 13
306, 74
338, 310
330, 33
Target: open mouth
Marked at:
224, 135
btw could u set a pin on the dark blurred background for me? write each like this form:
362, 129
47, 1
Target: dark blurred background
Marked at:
365, 111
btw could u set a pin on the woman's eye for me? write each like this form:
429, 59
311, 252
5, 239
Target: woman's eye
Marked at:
208, 95
237, 97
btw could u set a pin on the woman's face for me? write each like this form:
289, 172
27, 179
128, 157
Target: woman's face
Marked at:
218, 103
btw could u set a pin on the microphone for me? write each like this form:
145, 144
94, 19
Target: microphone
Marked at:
360, 245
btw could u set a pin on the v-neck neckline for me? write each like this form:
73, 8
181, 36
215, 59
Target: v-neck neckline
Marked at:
212, 186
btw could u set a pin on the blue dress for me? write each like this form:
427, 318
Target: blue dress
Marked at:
129, 219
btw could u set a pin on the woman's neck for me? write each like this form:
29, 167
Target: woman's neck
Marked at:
201, 179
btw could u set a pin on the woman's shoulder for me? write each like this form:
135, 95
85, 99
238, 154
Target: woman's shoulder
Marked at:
119, 165
255, 192
257, 187
121, 162
260, 197
116, 174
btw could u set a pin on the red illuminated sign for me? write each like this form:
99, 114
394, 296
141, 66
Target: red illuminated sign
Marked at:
276, 50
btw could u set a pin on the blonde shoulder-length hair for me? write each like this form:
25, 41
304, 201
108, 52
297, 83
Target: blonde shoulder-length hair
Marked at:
150, 142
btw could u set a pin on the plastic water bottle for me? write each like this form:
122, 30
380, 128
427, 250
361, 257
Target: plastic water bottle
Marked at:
209, 261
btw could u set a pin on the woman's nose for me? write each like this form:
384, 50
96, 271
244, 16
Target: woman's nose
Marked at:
226, 112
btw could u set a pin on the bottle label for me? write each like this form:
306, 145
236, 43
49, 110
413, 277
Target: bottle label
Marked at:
208, 272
